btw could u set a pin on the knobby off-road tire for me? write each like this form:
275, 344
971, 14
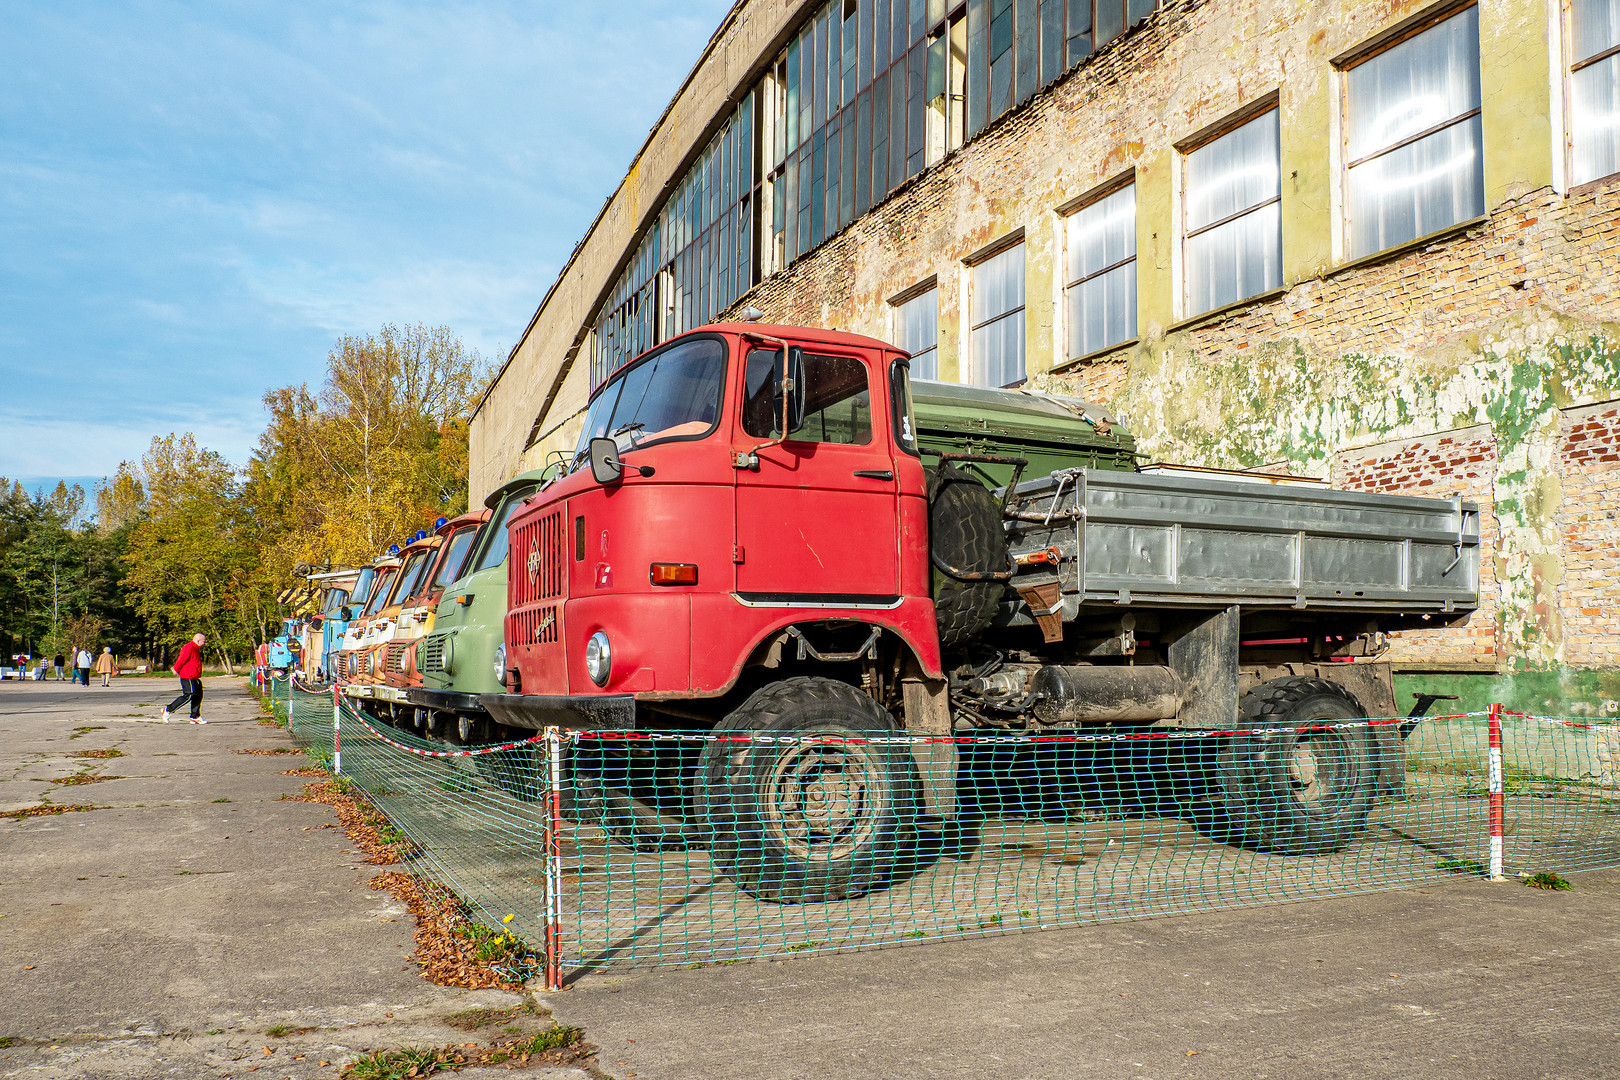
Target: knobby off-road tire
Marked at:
812, 817
964, 531
1298, 792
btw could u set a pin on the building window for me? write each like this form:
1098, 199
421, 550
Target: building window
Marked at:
1232, 214
1413, 147
1100, 280
998, 318
916, 324
1594, 89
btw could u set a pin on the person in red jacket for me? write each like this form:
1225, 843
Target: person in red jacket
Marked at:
188, 665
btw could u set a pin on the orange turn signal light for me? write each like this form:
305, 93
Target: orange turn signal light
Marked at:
673, 573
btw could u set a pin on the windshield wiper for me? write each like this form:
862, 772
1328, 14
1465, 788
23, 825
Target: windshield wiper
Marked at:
632, 427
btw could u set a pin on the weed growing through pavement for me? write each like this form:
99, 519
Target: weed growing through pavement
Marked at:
222, 799
8, 1041
78, 731
82, 778
99, 754
1546, 879
48, 809
407, 1061
1462, 866
215, 1031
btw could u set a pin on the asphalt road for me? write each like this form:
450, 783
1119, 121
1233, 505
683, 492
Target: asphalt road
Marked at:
132, 932
164, 933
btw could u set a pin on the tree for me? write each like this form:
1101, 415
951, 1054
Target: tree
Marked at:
194, 548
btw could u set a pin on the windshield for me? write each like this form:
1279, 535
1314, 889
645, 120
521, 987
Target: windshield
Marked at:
335, 598
411, 576
362, 586
493, 551
669, 395
379, 589
455, 553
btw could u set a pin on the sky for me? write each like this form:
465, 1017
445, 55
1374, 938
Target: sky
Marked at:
198, 199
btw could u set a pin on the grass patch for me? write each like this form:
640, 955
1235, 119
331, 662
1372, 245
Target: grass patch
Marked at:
398, 1064
1546, 879
83, 778
78, 731
48, 810
473, 1019
1462, 866
270, 751
99, 755
214, 1031
558, 1035
222, 799
7, 1041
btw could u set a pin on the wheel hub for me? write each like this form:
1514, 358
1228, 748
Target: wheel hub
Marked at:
818, 797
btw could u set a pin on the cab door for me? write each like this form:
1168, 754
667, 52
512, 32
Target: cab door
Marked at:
816, 517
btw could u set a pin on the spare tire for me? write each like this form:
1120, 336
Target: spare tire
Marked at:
964, 532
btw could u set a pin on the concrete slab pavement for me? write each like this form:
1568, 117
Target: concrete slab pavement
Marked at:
167, 932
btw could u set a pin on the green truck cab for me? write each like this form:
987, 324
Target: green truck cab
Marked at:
463, 656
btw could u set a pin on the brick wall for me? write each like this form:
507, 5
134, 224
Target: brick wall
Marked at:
1447, 464
1589, 526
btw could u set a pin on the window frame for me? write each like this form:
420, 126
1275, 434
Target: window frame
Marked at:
911, 293
998, 247
1348, 61
1066, 215
824, 352
1185, 148
1567, 67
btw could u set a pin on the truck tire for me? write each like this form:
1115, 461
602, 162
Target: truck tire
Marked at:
810, 819
964, 531
1298, 792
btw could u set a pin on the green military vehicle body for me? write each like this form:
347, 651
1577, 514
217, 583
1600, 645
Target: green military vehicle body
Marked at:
458, 658
1050, 432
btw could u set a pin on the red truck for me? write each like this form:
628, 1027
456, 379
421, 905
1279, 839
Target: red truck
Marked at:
692, 566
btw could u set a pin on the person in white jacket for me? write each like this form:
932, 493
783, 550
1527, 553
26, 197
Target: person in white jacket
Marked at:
83, 662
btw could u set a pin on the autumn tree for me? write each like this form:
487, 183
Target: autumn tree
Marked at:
194, 547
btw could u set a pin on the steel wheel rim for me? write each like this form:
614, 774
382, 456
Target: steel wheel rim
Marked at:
822, 798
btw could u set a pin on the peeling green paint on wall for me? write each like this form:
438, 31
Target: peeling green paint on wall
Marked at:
1277, 401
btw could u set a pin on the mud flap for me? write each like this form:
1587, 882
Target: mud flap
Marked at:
928, 712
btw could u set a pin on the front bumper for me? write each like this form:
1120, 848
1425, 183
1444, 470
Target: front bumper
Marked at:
583, 712
443, 700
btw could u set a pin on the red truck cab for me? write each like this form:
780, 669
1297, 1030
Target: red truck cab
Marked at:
702, 542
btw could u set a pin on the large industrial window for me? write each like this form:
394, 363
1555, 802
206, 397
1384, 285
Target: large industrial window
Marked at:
1594, 89
916, 321
1100, 280
1232, 216
998, 318
1413, 145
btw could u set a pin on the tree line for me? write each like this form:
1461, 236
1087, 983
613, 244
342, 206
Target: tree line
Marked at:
183, 540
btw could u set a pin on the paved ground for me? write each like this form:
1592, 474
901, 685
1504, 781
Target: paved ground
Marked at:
131, 932
164, 935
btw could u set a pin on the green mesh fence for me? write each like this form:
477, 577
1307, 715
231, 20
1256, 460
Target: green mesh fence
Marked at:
702, 846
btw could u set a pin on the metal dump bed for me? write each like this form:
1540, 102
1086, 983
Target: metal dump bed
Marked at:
1193, 540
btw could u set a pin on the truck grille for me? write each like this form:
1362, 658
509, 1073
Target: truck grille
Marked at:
432, 653
533, 626
538, 548
394, 657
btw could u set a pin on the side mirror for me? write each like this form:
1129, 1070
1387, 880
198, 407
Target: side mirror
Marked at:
793, 390
605, 465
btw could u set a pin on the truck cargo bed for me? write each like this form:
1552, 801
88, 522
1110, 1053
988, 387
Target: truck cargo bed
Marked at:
1129, 538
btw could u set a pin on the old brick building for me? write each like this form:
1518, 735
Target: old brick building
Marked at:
1377, 243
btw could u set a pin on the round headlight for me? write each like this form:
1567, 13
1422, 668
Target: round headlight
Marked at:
598, 658
448, 659
500, 663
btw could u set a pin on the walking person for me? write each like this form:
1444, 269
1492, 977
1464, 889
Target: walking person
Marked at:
83, 665
106, 665
188, 665
60, 664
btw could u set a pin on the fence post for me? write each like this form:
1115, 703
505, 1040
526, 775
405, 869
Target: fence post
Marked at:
1494, 783
553, 833
337, 728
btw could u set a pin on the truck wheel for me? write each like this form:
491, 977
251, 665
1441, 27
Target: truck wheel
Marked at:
1298, 792
811, 818
964, 531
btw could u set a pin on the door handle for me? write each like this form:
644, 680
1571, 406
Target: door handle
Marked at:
875, 474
